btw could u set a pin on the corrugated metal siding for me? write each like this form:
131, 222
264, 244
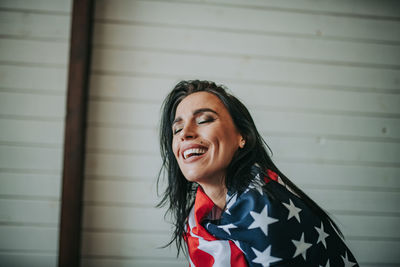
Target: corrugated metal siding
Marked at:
34, 38
320, 78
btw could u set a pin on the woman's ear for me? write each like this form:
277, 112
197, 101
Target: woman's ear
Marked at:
242, 142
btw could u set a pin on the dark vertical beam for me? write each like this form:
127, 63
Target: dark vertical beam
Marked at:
75, 128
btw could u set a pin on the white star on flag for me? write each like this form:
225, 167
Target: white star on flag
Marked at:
301, 247
347, 262
321, 234
261, 220
227, 227
264, 258
293, 210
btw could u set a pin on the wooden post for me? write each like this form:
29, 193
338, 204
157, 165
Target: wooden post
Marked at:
75, 127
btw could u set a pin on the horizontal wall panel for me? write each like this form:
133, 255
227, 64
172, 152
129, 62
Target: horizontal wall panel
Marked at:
315, 99
152, 219
270, 122
305, 148
50, 106
32, 259
113, 165
238, 45
375, 251
303, 174
122, 165
29, 238
144, 193
340, 150
106, 244
358, 7
316, 123
129, 262
55, 81
30, 185
39, 5
347, 200
143, 114
31, 51
245, 68
31, 158
129, 218
134, 193
277, 97
130, 87
29, 212
128, 139
361, 177
267, 120
194, 14
29, 131
31, 25
142, 164
372, 226
126, 245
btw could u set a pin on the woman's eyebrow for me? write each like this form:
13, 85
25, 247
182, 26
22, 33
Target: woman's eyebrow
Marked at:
202, 110
178, 119
196, 112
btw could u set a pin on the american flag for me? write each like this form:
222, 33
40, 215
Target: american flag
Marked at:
256, 231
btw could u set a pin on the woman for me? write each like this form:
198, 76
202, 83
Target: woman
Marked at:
230, 204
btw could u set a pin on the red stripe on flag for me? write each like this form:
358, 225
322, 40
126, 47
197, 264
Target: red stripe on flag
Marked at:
237, 256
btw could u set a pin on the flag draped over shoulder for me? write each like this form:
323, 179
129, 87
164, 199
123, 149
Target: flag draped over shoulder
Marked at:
255, 230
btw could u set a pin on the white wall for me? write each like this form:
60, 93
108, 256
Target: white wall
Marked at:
321, 79
34, 40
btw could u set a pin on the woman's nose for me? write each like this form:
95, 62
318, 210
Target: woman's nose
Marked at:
188, 132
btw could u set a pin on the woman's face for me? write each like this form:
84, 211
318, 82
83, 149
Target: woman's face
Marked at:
204, 138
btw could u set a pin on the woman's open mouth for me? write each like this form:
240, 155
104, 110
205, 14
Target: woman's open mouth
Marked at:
191, 152
194, 152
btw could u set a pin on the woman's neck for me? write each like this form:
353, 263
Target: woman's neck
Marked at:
217, 193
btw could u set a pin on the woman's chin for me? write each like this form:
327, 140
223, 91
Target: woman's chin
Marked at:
193, 176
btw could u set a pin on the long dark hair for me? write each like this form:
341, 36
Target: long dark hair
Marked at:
179, 194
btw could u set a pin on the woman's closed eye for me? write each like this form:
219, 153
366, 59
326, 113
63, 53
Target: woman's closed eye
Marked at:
202, 119
176, 130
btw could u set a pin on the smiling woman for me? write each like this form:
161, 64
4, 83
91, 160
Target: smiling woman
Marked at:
205, 140
231, 205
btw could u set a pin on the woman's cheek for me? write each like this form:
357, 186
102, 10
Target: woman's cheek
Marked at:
174, 148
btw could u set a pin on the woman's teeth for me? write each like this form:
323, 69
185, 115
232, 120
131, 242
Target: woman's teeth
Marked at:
193, 152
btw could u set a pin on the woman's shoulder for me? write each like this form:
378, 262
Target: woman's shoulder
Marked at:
266, 188
266, 193
282, 227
